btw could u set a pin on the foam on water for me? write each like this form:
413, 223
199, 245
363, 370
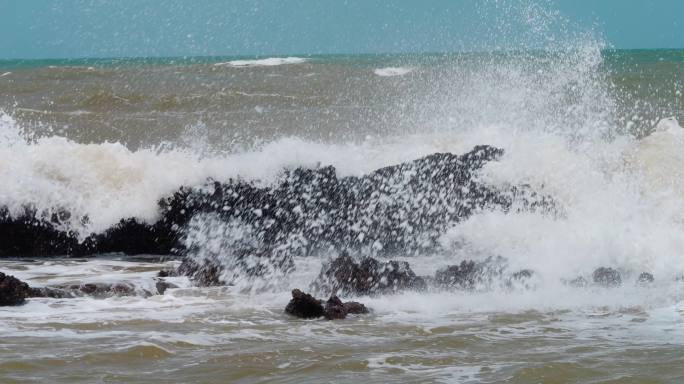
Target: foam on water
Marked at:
553, 113
269, 62
620, 200
392, 71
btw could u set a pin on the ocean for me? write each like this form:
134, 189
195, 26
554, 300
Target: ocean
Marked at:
593, 128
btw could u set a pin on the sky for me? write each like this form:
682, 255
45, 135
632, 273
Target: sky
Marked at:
143, 28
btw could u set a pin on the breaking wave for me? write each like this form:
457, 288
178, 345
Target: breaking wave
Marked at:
269, 62
392, 71
553, 112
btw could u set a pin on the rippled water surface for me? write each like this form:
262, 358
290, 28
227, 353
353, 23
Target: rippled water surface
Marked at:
593, 128
626, 335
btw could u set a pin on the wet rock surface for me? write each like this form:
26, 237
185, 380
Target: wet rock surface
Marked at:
96, 290
369, 276
13, 291
404, 207
471, 274
304, 305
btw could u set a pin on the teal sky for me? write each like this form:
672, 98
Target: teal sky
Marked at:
118, 28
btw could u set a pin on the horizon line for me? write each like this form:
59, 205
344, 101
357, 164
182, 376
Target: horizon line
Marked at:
309, 55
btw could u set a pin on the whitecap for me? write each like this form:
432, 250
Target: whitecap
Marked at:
392, 71
269, 62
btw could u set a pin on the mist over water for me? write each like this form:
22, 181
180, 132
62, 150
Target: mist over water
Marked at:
571, 116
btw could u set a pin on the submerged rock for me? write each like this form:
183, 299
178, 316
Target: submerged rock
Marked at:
96, 290
162, 285
607, 277
305, 306
370, 276
13, 291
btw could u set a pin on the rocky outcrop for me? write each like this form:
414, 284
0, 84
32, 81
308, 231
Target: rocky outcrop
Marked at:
305, 306
13, 291
97, 290
405, 207
37, 234
369, 276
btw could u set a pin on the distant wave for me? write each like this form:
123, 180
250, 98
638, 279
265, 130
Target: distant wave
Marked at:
269, 62
6, 74
392, 71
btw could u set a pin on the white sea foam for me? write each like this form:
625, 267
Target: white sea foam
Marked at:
269, 62
107, 182
621, 199
392, 71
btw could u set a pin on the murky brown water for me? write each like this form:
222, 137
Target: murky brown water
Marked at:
558, 120
215, 335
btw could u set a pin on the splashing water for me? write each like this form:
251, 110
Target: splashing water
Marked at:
555, 102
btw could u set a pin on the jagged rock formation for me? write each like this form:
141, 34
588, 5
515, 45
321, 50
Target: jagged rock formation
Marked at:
305, 306
402, 207
13, 291
370, 276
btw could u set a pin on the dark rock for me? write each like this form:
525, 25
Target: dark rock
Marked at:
355, 308
167, 273
38, 234
334, 309
470, 274
607, 277
13, 291
204, 275
645, 278
162, 285
306, 306
97, 290
464, 276
54, 293
401, 208
344, 275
